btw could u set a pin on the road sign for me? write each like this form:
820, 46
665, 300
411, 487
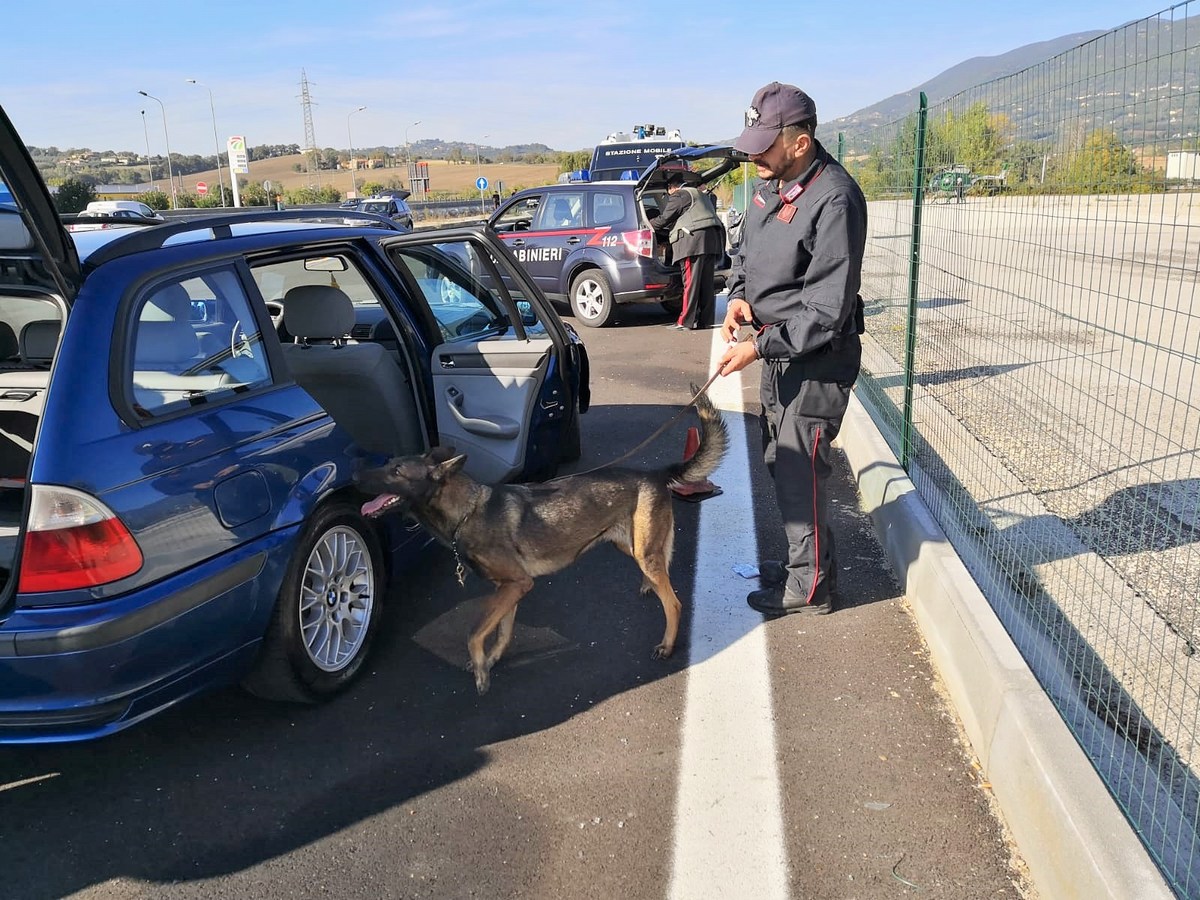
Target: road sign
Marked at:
481, 183
239, 159
201, 188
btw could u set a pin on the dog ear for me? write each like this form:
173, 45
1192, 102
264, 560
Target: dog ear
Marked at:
443, 471
439, 455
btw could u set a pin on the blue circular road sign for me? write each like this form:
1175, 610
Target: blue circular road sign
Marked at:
481, 183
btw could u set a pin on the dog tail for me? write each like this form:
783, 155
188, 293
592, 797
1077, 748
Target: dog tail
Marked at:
714, 440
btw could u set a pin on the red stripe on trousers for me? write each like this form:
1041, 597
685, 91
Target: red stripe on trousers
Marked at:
816, 524
688, 275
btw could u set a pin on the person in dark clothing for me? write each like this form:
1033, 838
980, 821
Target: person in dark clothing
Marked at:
697, 242
796, 281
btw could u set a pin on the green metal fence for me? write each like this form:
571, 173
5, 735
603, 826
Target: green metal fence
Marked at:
1033, 326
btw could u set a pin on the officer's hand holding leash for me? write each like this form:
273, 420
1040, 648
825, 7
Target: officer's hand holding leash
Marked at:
739, 355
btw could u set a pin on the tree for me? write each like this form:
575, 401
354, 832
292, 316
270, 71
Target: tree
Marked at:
155, 199
74, 194
578, 159
975, 139
254, 194
1102, 165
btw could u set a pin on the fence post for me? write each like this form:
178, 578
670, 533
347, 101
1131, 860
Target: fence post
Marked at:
914, 279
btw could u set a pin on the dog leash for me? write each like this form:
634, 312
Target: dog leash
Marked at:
671, 421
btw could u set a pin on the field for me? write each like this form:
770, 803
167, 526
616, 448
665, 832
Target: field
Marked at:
443, 176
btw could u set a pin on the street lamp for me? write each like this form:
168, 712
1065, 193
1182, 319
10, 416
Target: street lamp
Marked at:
167, 138
408, 158
216, 142
353, 183
149, 165
479, 174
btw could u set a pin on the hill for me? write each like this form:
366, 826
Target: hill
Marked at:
1119, 82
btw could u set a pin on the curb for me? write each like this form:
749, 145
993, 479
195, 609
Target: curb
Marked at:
1072, 835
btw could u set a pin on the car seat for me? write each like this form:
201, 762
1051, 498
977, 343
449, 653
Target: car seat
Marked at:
38, 341
359, 385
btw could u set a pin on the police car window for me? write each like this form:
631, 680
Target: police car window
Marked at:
607, 208
195, 341
519, 216
458, 287
562, 210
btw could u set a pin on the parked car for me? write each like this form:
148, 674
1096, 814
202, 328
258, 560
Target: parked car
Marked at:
593, 245
101, 214
394, 208
122, 209
182, 409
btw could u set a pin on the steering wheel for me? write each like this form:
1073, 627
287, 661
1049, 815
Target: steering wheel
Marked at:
239, 344
449, 291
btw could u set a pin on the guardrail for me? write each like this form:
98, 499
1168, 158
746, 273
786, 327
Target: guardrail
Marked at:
423, 210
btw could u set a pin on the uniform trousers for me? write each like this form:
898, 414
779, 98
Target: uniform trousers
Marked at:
800, 418
699, 296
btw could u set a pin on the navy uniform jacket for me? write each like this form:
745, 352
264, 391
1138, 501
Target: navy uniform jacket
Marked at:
801, 278
699, 243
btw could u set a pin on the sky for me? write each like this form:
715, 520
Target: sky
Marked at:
490, 73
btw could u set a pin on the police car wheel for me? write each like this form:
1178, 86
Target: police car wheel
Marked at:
592, 299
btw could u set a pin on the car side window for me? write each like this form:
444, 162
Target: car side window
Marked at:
277, 279
607, 208
458, 287
195, 341
519, 216
562, 211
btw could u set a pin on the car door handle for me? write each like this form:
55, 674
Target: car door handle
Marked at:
519, 242
498, 427
574, 240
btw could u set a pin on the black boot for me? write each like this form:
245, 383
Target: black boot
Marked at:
774, 573
777, 601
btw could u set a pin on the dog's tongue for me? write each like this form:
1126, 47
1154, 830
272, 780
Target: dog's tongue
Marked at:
371, 507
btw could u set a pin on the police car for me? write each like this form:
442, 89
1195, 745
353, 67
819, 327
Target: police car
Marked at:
593, 244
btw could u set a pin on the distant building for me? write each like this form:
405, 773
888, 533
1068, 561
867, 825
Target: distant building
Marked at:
1183, 165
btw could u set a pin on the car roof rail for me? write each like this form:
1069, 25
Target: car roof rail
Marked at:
221, 226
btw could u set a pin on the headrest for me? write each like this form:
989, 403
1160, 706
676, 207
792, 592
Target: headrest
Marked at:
13, 233
39, 340
164, 331
317, 311
169, 302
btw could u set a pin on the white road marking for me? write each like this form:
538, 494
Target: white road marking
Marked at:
729, 837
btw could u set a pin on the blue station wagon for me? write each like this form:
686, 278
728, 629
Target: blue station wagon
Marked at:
182, 410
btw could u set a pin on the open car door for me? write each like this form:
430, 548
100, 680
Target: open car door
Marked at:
496, 367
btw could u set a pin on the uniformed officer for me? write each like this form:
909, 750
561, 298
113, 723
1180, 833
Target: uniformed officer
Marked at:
796, 282
697, 241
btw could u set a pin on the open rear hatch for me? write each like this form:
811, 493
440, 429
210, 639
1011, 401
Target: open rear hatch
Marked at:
685, 160
40, 274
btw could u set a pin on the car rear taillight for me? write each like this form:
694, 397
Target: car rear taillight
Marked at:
639, 243
73, 541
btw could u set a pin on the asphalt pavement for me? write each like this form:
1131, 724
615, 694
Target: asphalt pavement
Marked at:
823, 750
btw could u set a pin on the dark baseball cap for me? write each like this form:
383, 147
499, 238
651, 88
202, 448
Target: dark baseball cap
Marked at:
772, 108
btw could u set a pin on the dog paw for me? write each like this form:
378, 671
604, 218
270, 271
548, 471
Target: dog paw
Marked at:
482, 682
662, 651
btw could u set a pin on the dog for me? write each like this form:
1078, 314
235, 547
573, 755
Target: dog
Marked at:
513, 533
